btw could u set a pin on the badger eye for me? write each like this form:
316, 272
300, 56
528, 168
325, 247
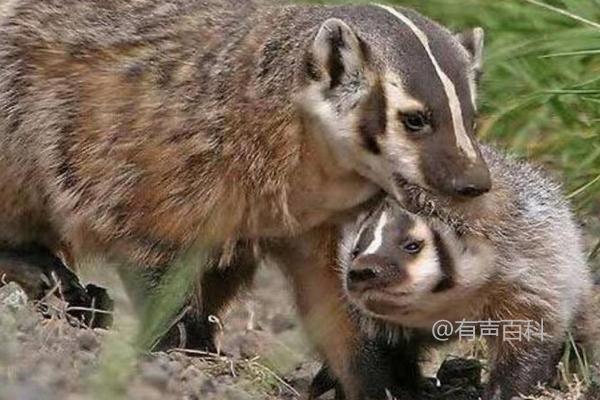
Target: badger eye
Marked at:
415, 121
413, 247
354, 253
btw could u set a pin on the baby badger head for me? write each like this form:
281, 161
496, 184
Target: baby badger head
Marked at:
410, 270
393, 94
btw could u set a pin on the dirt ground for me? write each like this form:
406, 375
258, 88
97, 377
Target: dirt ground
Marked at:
46, 358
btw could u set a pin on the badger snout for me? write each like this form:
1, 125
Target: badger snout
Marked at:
473, 182
372, 271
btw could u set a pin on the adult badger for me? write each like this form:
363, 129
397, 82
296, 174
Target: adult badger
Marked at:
146, 130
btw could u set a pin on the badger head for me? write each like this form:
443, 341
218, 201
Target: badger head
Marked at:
393, 95
411, 270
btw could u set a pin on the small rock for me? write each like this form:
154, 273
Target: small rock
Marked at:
13, 296
192, 374
87, 340
174, 367
155, 375
281, 323
236, 394
28, 321
161, 360
208, 387
87, 357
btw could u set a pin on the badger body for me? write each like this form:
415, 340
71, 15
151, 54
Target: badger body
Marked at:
150, 126
514, 254
146, 127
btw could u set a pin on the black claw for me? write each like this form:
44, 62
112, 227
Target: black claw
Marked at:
103, 306
90, 304
38, 271
322, 383
199, 335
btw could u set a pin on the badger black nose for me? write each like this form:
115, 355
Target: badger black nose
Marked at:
473, 182
361, 275
471, 191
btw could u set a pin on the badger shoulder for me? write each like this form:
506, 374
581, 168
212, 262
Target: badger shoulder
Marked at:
534, 208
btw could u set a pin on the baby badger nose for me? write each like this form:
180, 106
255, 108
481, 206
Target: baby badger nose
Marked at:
362, 274
473, 182
371, 271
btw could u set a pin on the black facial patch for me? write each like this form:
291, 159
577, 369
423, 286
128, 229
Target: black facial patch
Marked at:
367, 228
367, 235
446, 264
335, 62
373, 119
395, 232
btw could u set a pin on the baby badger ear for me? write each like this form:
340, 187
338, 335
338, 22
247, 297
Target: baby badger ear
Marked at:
473, 41
337, 53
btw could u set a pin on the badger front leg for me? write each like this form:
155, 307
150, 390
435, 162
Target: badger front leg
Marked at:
319, 299
364, 369
525, 353
519, 367
211, 292
218, 287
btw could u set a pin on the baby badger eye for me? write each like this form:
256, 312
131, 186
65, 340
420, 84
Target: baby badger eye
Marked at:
416, 121
413, 247
354, 253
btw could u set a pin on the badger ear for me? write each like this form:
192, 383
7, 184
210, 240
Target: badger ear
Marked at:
473, 41
336, 52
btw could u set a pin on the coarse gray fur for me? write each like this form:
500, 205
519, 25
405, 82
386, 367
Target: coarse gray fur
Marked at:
515, 253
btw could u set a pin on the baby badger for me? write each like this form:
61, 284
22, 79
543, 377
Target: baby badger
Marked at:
515, 254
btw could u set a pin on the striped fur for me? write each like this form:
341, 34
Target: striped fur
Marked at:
462, 139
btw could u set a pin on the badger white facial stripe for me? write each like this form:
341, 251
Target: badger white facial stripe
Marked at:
377, 235
462, 139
